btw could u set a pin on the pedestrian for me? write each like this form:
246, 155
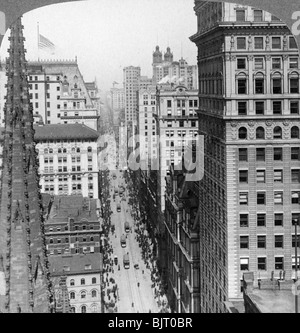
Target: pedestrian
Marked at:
132, 304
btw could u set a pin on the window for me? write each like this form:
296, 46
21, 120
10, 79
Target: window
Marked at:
258, 43
294, 107
292, 43
295, 218
278, 176
295, 153
260, 176
82, 282
278, 241
260, 154
169, 103
244, 242
260, 133
295, 175
243, 198
293, 63
94, 280
72, 295
241, 64
276, 85
243, 176
244, 264
243, 154
261, 198
277, 133
295, 132
83, 294
261, 242
259, 86
294, 241
276, 43
83, 309
259, 107
277, 107
279, 263
258, 63
295, 197
258, 15
240, 15
242, 108
242, 133
261, 219
278, 219
262, 263
277, 154
278, 198
243, 220
242, 86
276, 63
241, 43
294, 85
94, 293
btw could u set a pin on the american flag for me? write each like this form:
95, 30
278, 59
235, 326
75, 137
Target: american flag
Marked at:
46, 45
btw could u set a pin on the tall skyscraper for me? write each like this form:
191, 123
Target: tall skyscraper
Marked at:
25, 278
249, 116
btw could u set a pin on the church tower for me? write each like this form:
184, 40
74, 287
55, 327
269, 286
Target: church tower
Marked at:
26, 280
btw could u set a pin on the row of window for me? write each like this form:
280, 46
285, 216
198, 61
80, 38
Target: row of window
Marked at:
261, 42
181, 103
259, 107
66, 228
261, 219
261, 176
258, 15
66, 240
83, 294
262, 241
261, 154
262, 263
259, 84
277, 133
259, 63
65, 150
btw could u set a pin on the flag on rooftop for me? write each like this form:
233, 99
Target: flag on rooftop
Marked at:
46, 45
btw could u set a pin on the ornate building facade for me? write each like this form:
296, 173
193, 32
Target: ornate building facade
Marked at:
249, 116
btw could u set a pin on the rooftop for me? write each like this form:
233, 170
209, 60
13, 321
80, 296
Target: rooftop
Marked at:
75, 206
64, 131
75, 264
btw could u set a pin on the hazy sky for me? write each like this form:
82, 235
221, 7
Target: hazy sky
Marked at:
107, 35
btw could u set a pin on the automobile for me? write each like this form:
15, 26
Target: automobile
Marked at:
118, 207
116, 260
114, 176
136, 266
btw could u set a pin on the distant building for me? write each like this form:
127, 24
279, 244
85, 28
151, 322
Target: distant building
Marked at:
131, 77
249, 116
83, 274
168, 71
68, 159
71, 225
59, 95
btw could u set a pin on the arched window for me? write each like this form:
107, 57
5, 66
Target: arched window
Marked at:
90, 177
277, 133
46, 150
78, 150
72, 282
94, 308
89, 149
94, 293
72, 295
82, 282
59, 150
260, 133
94, 280
51, 240
65, 150
83, 294
83, 309
73, 309
243, 133
50, 151
73, 150
295, 132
